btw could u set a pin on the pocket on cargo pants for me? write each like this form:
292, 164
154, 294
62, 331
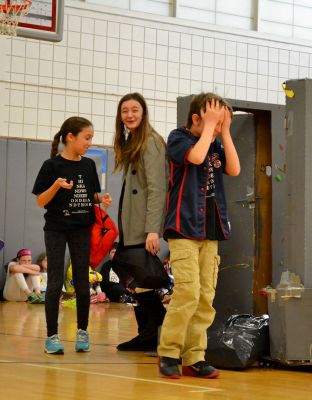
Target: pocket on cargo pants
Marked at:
183, 270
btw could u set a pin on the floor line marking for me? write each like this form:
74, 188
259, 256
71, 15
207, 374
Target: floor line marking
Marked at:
122, 377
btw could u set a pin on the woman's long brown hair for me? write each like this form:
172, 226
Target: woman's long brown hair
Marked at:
128, 149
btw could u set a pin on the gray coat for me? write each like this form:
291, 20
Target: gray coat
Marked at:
143, 206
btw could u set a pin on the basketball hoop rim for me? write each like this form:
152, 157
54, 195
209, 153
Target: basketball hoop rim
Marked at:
15, 7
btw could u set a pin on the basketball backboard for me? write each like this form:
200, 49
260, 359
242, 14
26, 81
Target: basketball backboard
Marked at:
44, 21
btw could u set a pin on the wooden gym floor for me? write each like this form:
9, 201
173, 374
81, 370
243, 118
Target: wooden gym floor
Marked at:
104, 373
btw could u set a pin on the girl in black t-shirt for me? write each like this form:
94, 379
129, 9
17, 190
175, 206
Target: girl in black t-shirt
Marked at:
67, 187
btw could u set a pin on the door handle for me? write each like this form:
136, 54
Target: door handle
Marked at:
249, 201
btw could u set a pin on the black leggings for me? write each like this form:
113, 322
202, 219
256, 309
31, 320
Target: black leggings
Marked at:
79, 248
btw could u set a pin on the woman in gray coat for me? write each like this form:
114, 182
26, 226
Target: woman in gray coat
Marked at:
140, 152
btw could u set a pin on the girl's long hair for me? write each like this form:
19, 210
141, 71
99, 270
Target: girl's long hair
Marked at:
72, 125
128, 147
199, 103
41, 257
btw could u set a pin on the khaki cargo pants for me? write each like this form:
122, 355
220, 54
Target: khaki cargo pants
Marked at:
195, 269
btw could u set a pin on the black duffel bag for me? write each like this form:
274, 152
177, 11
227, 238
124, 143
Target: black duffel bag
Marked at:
136, 267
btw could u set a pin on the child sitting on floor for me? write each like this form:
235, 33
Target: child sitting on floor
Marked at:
110, 283
96, 294
23, 279
43, 264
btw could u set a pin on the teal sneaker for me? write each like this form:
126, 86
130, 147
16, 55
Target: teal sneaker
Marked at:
53, 345
82, 341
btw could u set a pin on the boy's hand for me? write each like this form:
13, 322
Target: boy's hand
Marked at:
225, 127
62, 183
214, 113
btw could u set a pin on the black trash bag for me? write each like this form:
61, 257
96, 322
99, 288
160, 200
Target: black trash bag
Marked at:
239, 342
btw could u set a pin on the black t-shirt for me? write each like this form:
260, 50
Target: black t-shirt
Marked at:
69, 209
213, 226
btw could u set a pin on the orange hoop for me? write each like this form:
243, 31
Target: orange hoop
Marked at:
10, 13
8, 6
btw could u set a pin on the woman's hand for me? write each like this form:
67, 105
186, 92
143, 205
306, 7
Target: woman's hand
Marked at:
152, 243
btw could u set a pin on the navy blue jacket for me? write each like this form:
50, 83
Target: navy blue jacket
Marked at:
186, 199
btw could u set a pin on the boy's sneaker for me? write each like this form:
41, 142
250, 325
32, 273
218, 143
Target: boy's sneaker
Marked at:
168, 367
201, 369
82, 341
53, 345
33, 298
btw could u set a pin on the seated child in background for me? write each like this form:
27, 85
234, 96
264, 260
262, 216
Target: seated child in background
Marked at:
43, 264
110, 284
23, 279
166, 293
96, 294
